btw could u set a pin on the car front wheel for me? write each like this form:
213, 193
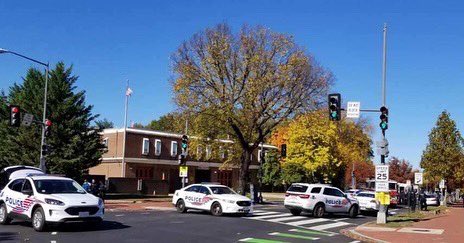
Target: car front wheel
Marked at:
4, 219
216, 209
38, 220
181, 206
353, 211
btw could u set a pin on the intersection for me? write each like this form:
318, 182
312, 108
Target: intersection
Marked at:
269, 224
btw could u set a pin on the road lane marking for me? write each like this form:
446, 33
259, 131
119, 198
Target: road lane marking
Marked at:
286, 218
257, 240
308, 221
304, 237
341, 219
355, 241
312, 232
53, 241
265, 213
119, 215
272, 216
329, 226
54, 233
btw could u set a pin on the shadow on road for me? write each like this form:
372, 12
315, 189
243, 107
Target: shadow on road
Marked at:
9, 236
73, 227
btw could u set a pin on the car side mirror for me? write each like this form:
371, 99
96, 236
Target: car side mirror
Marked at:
27, 192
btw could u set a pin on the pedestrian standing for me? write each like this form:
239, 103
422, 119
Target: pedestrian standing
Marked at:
86, 186
101, 190
94, 188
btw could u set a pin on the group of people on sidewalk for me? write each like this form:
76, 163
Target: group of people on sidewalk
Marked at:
94, 188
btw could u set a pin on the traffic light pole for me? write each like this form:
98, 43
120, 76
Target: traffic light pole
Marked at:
43, 162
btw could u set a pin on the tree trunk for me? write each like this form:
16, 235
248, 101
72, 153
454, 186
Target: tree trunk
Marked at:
244, 171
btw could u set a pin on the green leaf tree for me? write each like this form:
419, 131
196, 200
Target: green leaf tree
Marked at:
271, 169
246, 83
75, 144
443, 155
104, 124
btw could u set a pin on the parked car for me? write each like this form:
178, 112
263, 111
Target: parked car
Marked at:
367, 201
432, 200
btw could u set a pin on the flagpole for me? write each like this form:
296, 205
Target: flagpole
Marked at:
123, 169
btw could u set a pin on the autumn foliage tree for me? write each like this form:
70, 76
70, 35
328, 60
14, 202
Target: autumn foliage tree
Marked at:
400, 170
246, 83
319, 150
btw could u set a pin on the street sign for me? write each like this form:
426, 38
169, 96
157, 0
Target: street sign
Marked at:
442, 184
381, 173
418, 180
183, 171
381, 178
353, 109
27, 119
381, 186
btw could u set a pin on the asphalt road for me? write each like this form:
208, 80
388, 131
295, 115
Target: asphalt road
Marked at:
271, 224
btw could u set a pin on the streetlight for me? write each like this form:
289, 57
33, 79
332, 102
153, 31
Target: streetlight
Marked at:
47, 66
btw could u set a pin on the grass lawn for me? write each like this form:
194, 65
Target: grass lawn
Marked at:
407, 219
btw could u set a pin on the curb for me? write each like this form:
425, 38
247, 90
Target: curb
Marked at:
352, 233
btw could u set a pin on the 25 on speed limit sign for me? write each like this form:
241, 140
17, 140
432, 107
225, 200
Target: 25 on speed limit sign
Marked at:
381, 173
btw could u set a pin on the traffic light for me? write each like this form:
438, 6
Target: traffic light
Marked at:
383, 118
335, 101
184, 144
283, 150
15, 116
47, 128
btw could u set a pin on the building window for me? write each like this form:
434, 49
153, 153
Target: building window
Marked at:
145, 146
208, 151
157, 147
105, 142
173, 148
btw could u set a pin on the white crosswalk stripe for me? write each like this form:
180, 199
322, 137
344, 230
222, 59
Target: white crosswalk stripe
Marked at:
305, 222
287, 218
308, 221
273, 216
329, 226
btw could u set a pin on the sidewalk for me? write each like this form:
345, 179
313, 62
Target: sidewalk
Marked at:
138, 204
447, 227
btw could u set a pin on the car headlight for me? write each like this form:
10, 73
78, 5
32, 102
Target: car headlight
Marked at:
100, 202
228, 201
54, 202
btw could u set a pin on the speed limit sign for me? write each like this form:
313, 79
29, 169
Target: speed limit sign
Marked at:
381, 173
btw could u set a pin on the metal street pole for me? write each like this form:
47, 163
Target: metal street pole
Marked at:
382, 213
43, 165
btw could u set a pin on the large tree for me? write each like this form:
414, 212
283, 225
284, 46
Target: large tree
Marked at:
76, 145
443, 156
246, 83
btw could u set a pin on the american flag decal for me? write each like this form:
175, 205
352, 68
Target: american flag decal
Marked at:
24, 205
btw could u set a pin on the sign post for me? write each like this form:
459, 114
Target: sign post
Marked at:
382, 191
418, 178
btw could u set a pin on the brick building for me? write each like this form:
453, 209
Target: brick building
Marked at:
153, 155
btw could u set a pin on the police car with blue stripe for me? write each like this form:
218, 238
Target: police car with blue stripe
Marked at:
45, 199
319, 199
215, 198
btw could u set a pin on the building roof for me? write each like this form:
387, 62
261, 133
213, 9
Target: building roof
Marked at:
145, 131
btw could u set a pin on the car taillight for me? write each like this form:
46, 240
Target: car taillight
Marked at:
304, 196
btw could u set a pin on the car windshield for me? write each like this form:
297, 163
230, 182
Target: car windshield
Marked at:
221, 190
58, 186
366, 195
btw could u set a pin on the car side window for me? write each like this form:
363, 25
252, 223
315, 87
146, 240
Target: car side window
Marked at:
16, 185
338, 193
27, 186
193, 189
204, 190
328, 191
316, 190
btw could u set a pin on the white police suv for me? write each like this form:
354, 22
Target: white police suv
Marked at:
45, 199
319, 199
217, 199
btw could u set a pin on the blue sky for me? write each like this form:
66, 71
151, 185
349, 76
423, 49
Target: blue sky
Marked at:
111, 42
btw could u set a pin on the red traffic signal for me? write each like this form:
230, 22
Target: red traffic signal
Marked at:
48, 123
15, 116
46, 128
